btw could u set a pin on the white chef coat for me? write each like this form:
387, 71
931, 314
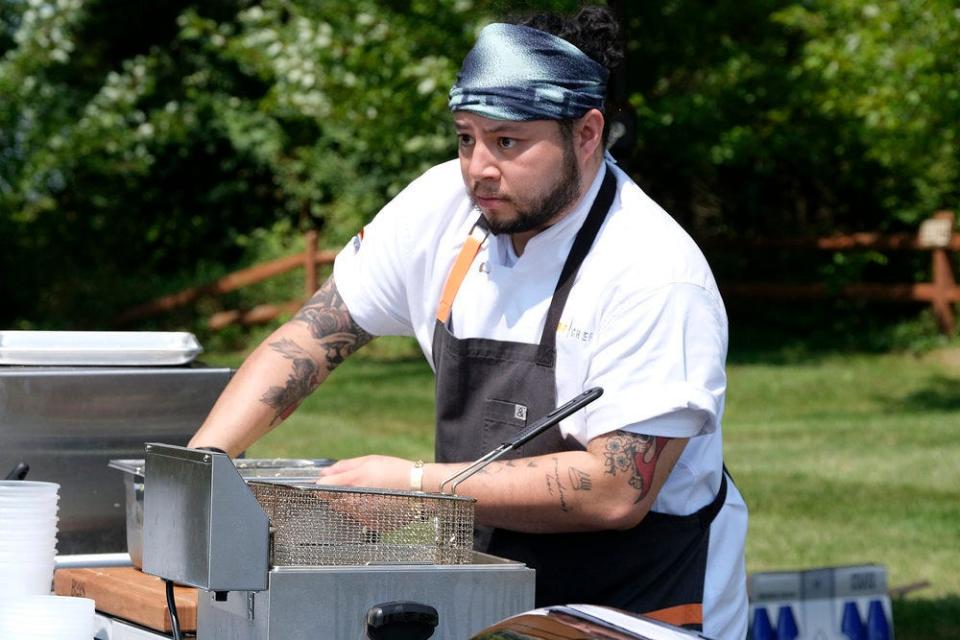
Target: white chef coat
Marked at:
644, 321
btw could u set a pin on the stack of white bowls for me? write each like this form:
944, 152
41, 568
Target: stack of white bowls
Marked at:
28, 537
47, 618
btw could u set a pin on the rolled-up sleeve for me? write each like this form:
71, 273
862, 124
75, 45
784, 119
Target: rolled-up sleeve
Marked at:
660, 358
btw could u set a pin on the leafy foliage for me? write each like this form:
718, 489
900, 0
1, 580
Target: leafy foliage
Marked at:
128, 165
147, 147
779, 117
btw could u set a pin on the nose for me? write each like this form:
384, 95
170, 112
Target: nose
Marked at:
482, 165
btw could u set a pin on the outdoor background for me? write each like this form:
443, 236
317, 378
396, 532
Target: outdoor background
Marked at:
150, 147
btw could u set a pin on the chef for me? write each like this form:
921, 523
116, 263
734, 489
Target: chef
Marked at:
530, 269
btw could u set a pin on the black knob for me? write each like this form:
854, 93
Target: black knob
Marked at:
401, 620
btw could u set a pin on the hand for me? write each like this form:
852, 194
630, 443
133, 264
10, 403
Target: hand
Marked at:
383, 472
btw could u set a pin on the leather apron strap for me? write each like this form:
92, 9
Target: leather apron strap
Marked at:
581, 247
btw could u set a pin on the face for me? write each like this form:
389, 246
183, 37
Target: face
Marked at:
523, 176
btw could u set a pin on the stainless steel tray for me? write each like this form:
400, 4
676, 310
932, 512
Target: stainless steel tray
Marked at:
97, 348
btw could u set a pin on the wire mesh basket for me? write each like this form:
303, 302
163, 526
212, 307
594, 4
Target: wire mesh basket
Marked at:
313, 525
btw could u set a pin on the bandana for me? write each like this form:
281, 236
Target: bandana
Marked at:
519, 73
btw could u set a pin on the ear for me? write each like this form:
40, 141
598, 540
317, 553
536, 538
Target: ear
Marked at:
589, 134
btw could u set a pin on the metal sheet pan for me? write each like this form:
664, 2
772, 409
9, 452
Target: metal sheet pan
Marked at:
98, 348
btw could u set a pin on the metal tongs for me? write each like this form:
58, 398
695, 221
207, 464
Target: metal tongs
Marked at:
525, 436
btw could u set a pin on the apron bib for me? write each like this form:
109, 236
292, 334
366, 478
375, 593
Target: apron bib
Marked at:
489, 390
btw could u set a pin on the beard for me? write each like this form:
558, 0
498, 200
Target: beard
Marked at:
536, 211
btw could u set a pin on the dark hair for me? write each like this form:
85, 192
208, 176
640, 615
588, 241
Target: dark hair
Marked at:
594, 30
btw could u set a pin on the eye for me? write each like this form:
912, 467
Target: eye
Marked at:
507, 143
465, 139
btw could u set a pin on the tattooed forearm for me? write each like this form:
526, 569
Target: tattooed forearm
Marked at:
302, 380
496, 467
329, 321
555, 487
635, 455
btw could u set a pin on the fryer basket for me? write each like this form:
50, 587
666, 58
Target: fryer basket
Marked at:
315, 525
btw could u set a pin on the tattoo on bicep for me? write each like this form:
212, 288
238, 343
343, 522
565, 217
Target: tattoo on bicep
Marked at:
635, 455
329, 321
302, 380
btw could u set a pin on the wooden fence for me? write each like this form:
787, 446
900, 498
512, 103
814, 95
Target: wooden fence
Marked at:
310, 258
936, 235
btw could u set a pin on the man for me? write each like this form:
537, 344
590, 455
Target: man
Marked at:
536, 272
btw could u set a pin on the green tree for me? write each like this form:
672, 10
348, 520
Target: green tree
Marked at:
145, 147
774, 117
137, 149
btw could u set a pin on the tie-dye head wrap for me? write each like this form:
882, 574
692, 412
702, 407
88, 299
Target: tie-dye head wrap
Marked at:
515, 72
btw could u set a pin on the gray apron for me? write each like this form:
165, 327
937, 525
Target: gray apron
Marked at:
489, 390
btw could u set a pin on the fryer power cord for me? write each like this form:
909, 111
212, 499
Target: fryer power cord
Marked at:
172, 610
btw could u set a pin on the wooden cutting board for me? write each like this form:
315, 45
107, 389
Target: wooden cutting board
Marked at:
129, 593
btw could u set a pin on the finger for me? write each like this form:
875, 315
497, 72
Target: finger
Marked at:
341, 466
345, 479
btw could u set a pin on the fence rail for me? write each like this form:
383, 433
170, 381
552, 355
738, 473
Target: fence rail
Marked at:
935, 235
310, 258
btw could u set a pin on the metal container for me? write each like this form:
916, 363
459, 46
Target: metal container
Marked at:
67, 423
250, 468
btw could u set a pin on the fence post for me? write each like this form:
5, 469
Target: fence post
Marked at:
310, 264
941, 229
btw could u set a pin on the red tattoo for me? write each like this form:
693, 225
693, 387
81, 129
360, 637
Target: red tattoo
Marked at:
636, 455
645, 462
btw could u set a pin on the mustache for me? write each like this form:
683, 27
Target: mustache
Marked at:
480, 191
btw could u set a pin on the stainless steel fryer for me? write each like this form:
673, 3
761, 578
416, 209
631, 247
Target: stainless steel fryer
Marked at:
291, 560
323, 561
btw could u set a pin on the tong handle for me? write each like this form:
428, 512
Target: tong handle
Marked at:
538, 427
554, 417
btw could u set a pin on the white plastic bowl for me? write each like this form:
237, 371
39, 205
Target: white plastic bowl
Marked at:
33, 536
29, 522
13, 554
28, 486
25, 579
10, 514
47, 617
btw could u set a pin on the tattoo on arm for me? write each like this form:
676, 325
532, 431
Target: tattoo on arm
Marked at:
302, 380
330, 322
579, 480
636, 456
555, 487
500, 465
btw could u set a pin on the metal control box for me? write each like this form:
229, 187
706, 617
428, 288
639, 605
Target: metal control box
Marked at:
305, 603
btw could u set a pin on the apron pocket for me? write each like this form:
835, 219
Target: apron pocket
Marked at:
502, 421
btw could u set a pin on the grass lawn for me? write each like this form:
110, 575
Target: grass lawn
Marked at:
843, 459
